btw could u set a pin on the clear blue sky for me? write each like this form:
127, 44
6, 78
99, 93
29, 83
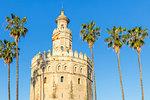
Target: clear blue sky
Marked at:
41, 16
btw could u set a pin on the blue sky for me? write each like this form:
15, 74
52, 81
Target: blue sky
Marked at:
41, 16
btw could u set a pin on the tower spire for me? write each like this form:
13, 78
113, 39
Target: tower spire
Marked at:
62, 17
62, 5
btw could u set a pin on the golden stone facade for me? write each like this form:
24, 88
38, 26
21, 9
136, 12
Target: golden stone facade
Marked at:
64, 74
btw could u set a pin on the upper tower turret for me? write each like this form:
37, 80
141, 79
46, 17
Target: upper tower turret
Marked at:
62, 36
62, 20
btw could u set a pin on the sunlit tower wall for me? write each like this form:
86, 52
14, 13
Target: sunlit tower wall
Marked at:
66, 75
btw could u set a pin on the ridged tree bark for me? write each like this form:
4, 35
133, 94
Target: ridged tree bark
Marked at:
9, 81
17, 88
141, 75
93, 73
120, 76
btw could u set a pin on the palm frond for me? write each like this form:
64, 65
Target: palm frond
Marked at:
16, 26
116, 37
7, 51
136, 37
90, 32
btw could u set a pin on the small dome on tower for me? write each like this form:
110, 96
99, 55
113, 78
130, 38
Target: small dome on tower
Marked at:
62, 14
62, 17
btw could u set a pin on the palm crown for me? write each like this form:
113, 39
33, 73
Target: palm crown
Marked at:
90, 32
115, 38
7, 51
16, 26
135, 37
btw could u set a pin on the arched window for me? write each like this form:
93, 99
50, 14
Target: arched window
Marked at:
62, 26
62, 95
45, 80
62, 79
80, 70
75, 69
62, 48
65, 67
89, 73
79, 81
49, 68
58, 67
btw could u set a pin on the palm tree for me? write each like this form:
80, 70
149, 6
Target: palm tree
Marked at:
16, 27
135, 39
116, 41
90, 34
7, 52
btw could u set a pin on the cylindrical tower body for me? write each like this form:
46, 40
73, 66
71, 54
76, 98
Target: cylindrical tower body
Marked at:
67, 75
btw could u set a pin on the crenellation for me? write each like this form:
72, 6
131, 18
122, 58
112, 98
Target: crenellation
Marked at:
76, 54
44, 55
81, 55
85, 57
35, 58
49, 53
39, 55
62, 56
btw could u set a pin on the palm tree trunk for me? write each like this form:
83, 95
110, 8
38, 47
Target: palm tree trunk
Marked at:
9, 80
141, 76
43, 85
17, 91
120, 76
93, 73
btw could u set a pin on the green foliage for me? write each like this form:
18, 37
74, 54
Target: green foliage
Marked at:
135, 37
116, 38
16, 26
90, 32
7, 51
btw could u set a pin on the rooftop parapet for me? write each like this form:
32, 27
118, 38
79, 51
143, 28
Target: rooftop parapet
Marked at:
58, 53
36, 57
80, 55
39, 55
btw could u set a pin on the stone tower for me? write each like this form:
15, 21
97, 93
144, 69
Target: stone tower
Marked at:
63, 74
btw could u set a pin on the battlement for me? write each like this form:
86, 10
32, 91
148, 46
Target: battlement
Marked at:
75, 54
